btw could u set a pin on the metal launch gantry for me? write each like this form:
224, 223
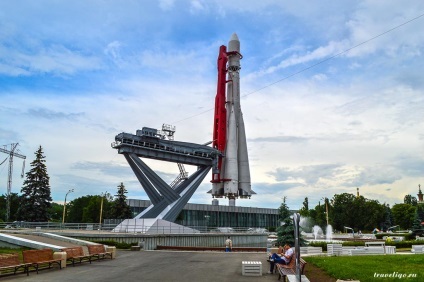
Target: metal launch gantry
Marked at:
167, 200
11, 154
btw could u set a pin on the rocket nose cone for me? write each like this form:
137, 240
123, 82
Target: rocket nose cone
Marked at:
234, 37
234, 43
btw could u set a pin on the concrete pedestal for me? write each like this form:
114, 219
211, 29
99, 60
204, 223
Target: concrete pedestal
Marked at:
390, 249
135, 248
251, 268
61, 256
111, 249
293, 278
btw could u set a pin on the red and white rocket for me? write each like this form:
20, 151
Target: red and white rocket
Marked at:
232, 179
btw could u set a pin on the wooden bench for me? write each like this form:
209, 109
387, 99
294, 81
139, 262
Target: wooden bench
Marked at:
284, 270
11, 261
76, 254
37, 258
98, 251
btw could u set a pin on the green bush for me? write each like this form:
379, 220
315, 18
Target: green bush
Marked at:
408, 236
399, 244
271, 228
323, 245
118, 245
353, 243
404, 244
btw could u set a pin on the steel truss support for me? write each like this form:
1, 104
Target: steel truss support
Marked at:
167, 203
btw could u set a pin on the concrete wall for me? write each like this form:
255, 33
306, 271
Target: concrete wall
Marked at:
151, 241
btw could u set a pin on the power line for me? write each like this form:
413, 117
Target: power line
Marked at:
314, 65
334, 56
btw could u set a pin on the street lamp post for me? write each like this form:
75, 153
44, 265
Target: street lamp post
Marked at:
64, 205
326, 208
207, 222
393, 227
350, 228
101, 209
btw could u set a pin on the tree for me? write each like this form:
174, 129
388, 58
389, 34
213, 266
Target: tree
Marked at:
285, 232
304, 211
374, 214
91, 213
403, 215
408, 199
343, 211
388, 220
318, 216
417, 227
36, 198
358, 213
120, 208
56, 212
87, 209
74, 210
14, 205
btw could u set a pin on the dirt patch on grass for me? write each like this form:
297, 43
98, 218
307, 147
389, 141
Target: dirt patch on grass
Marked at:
316, 274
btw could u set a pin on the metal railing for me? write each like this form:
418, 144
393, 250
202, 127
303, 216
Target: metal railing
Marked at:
50, 225
39, 226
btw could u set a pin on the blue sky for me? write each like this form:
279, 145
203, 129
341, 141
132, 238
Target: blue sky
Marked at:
73, 74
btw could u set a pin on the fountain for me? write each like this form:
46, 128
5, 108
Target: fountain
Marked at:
329, 233
316, 230
318, 235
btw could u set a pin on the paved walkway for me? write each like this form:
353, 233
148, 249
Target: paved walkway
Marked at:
157, 266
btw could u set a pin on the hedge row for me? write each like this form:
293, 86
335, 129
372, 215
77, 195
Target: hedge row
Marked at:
408, 236
118, 245
400, 244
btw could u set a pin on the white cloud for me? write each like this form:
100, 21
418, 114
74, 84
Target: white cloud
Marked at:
196, 6
166, 5
112, 50
57, 60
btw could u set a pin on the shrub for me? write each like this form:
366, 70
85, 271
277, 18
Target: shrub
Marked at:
404, 244
408, 236
118, 245
271, 229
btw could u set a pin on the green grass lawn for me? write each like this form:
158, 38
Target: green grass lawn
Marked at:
372, 268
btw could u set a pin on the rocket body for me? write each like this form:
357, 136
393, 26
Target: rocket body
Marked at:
232, 180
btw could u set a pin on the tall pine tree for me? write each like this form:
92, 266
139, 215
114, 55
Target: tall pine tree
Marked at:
36, 198
121, 210
285, 232
417, 227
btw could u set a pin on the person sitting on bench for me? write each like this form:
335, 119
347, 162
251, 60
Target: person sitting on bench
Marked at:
285, 258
